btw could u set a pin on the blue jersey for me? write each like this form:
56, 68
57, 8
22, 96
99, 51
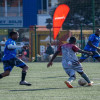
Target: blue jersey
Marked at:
9, 53
95, 41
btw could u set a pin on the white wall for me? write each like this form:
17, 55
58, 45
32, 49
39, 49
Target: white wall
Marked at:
54, 2
41, 19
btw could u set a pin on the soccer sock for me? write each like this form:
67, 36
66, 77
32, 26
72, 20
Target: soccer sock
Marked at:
23, 76
71, 79
85, 77
1, 76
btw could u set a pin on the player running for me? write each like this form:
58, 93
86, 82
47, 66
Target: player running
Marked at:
10, 60
92, 46
70, 61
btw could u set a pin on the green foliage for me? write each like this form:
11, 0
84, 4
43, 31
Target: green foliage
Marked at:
81, 12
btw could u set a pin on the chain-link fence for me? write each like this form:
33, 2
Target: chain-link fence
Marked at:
38, 37
82, 12
82, 20
41, 36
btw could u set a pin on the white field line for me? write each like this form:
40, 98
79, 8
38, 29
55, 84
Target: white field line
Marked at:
96, 84
52, 77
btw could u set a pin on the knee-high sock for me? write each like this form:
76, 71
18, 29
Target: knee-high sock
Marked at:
71, 79
23, 76
85, 77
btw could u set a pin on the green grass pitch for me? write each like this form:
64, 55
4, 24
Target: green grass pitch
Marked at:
48, 84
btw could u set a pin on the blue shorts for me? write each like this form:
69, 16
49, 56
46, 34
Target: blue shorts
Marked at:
9, 64
95, 55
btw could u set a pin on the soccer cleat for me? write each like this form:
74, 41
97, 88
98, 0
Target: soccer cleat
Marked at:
68, 84
25, 83
90, 84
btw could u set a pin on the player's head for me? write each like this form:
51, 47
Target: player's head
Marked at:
98, 31
14, 35
4, 39
72, 40
48, 44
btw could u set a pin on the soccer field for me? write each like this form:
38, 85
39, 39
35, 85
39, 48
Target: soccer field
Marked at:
48, 84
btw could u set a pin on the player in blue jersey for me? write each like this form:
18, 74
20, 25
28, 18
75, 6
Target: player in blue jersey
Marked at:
92, 46
10, 60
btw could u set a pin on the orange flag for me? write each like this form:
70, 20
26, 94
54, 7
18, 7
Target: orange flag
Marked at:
59, 17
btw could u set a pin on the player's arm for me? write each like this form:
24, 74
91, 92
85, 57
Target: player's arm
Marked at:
86, 52
92, 38
90, 43
54, 56
76, 49
10, 46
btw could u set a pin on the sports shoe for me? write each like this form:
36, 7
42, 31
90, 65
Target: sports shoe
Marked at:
68, 84
90, 84
25, 83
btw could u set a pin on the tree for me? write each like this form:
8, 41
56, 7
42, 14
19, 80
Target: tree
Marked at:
81, 12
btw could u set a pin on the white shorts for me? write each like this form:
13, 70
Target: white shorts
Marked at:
70, 69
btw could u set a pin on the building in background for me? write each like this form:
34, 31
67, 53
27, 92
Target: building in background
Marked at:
24, 13
11, 13
19, 15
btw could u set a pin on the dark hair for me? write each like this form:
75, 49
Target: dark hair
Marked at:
49, 44
12, 33
72, 39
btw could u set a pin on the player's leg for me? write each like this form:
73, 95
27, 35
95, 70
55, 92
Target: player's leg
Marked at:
86, 78
81, 72
72, 77
98, 58
4, 74
21, 64
24, 72
71, 74
79, 69
83, 57
96, 55
8, 66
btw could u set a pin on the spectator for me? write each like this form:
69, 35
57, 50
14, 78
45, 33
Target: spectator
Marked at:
48, 53
2, 44
24, 55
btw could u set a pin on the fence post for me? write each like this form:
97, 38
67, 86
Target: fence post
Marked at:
35, 44
81, 37
93, 14
50, 35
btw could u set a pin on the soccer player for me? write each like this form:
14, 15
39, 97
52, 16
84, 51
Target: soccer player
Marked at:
92, 46
10, 60
70, 61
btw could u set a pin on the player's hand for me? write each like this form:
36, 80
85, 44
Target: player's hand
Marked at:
49, 64
25, 46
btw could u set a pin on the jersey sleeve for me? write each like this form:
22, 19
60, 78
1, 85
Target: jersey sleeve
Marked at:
91, 37
2, 42
59, 48
75, 48
8, 42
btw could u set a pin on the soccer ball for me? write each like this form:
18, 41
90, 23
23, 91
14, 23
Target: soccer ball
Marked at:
82, 82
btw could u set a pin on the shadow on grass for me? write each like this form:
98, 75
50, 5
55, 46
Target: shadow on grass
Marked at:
38, 89
54, 77
48, 88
